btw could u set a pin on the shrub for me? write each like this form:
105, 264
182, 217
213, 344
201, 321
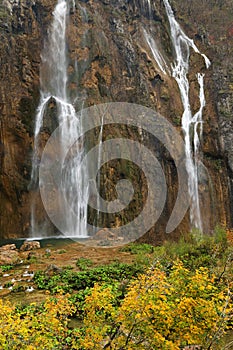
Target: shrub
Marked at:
34, 327
84, 263
138, 248
68, 280
6, 268
159, 312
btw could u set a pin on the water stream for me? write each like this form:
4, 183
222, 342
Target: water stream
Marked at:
99, 165
159, 59
53, 81
147, 4
191, 124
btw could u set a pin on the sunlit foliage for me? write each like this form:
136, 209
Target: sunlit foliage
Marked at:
160, 311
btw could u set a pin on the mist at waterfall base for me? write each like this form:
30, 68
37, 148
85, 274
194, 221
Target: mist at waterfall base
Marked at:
53, 80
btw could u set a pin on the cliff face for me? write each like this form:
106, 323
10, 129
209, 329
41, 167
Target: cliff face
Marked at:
110, 61
210, 24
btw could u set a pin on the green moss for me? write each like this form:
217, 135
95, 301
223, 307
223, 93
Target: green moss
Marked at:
177, 121
217, 163
4, 14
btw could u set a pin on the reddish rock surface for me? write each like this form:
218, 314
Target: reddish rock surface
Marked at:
109, 61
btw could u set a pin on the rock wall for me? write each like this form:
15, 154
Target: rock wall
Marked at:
210, 24
109, 61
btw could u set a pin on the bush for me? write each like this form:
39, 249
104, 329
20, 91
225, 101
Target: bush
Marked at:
175, 303
68, 280
84, 263
158, 312
6, 268
195, 250
31, 327
136, 248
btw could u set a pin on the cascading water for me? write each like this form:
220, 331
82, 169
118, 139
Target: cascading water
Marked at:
147, 5
192, 125
99, 163
53, 79
155, 52
148, 34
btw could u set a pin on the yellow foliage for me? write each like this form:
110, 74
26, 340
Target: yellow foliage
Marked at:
37, 329
163, 312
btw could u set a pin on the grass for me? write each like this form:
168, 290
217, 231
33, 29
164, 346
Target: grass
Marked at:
6, 268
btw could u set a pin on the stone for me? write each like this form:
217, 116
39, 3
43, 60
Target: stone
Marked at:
8, 247
53, 269
105, 234
9, 257
30, 245
48, 252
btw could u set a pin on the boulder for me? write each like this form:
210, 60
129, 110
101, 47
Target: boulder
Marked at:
105, 234
30, 245
9, 257
53, 269
8, 247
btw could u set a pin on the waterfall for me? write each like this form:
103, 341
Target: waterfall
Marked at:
191, 125
53, 81
148, 6
155, 52
99, 163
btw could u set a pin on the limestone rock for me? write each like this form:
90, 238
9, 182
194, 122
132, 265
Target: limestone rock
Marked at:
9, 257
53, 269
30, 245
8, 247
104, 234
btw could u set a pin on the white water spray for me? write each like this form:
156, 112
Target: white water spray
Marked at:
53, 80
192, 125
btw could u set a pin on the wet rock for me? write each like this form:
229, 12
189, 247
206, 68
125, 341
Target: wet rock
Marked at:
30, 245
